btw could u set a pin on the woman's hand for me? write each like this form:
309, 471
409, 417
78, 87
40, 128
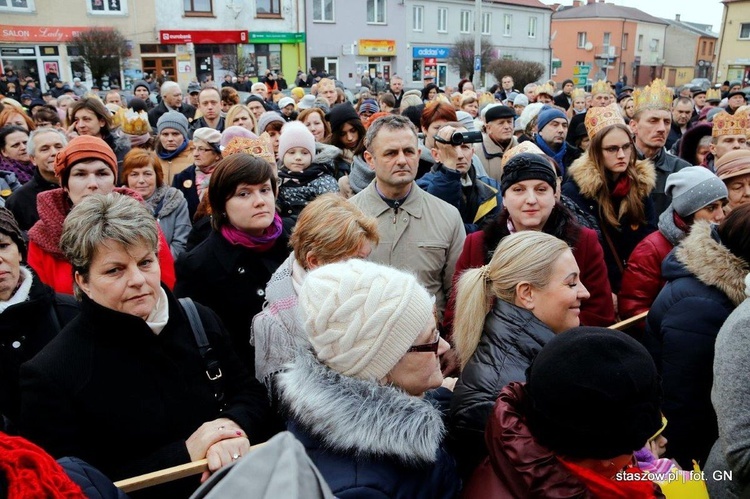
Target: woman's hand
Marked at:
210, 433
225, 452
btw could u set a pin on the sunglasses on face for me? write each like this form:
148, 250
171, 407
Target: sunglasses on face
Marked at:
427, 347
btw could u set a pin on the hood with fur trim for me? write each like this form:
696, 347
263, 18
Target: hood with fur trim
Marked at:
586, 175
353, 416
326, 153
712, 263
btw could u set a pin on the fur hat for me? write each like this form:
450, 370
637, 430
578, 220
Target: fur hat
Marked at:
693, 188
593, 393
209, 136
84, 148
361, 317
340, 114
267, 118
9, 227
547, 114
296, 134
175, 120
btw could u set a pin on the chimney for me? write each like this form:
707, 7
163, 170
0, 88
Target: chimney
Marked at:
677, 17
556, 6
577, 3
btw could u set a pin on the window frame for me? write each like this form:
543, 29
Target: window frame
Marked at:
465, 17
272, 14
625, 40
533, 23
507, 24
442, 16
376, 5
640, 42
198, 13
30, 7
322, 4
486, 16
582, 35
106, 12
417, 13
739, 36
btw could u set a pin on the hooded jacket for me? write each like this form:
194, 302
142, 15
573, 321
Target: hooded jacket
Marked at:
582, 187
367, 440
704, 284
511, 338
48, 260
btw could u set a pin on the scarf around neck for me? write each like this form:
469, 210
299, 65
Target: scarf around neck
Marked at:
260, 243
557, 156
670, 227
171, 154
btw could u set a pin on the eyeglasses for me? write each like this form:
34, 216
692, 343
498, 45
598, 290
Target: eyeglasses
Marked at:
663, 426
615, 149
204, 149
427, 347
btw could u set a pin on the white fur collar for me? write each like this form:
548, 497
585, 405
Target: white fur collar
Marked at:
159, 316
22, 293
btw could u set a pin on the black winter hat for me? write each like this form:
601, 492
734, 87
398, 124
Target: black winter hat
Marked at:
593, 393
527, 166
340, 114
9, 227
497, 112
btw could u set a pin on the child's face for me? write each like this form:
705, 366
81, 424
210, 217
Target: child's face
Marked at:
297, 159
579, 104
288, 110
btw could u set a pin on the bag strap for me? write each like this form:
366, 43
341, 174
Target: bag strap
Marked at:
213, 366
612, 248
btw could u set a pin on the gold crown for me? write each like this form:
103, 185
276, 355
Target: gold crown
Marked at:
713, 94
546, 89
601, 87
599, 118
134, 123
577, 93
260, 147
655, 96
526, 146
730, 124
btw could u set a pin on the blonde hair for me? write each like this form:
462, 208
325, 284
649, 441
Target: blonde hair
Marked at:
332, 229
526, 256
235, 110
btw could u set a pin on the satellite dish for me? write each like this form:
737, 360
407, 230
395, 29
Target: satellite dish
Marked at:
589, 46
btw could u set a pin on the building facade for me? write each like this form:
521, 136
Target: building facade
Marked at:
734, 42
348, 39
34, 35
688, 52
611, 41
516, 29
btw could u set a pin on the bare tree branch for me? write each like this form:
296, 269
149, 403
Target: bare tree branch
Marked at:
523, 72
461, 57
101, 50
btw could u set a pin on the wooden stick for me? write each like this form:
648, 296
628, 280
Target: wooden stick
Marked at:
167, 474
623, 325
162, 476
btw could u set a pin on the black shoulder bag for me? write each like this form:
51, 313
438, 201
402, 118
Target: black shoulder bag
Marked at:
213, 366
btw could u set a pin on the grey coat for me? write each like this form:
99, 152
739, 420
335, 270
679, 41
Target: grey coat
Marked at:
172, 215
731, 400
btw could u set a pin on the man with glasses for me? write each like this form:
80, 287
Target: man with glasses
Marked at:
453, 179
418, 232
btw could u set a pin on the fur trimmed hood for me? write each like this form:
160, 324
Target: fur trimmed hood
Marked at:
586, 175
712, 263
325, 153
349, 415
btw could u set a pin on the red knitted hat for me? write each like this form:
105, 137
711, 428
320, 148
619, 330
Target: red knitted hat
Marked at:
85, 148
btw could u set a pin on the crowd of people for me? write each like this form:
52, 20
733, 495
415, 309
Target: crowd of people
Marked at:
416, 284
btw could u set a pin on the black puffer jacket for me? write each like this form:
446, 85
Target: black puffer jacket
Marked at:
511, 338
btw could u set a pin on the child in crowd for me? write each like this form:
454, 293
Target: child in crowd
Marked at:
300, 179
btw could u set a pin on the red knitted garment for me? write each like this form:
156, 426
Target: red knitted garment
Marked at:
32, 473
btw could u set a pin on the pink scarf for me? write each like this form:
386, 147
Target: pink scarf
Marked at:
257, 243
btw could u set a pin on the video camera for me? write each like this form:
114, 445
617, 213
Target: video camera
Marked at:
458, 138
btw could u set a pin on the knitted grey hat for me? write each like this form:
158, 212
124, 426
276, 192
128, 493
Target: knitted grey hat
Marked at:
9, 227
173, 119
267, 118
693, 188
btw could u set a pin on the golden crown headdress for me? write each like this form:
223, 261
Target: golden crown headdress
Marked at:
116, 112
599, 118
577, 93
713, 94
135, 123
655, 96
730, 124
601, 87
526, 146
545, 89
260, 147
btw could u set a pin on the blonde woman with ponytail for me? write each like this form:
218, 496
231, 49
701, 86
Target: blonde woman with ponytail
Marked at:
508, 310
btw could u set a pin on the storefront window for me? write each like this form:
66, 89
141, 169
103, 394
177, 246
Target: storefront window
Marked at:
416, 69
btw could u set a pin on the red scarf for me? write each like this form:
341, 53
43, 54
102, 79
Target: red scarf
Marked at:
260, 243
622, 187
602, 487
31, 472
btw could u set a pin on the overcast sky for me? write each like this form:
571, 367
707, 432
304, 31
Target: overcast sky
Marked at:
696, 11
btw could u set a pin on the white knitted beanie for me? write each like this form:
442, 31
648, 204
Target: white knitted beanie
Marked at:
362, 317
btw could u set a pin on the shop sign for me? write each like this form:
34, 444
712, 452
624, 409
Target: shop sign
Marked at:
430, 61
38, 34
181, 37
274, 37
433, 52
377, 47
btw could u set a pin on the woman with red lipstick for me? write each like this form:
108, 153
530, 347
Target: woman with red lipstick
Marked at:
608, 189
534, 281
124, 385
228, 272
